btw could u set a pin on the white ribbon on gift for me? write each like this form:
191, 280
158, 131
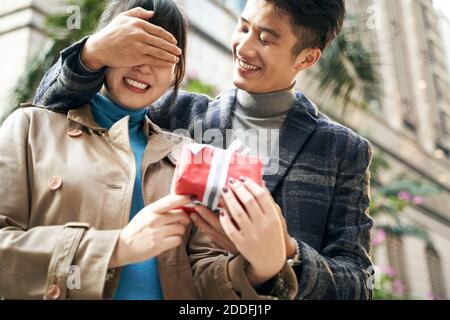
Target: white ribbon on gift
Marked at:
220, 164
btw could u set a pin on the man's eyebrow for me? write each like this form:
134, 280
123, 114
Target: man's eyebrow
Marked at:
272, 32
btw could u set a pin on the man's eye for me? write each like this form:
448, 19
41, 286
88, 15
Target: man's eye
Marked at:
244, 29
264, 41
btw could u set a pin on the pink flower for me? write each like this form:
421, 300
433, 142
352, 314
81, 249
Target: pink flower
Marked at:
398, 288
390, 271
418, 200
192, 74
380, 236
431, 296
404, 195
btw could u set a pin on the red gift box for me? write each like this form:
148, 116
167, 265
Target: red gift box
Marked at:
203, 171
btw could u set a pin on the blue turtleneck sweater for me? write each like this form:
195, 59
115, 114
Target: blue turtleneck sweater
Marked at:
138, 281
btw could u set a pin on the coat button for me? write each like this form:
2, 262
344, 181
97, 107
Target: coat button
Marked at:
75, 133
53, 292
54, 183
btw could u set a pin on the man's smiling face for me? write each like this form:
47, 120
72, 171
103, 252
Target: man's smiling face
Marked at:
263, 45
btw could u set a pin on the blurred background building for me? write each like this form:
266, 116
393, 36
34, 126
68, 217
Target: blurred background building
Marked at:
405, 113
409, 124
22, 36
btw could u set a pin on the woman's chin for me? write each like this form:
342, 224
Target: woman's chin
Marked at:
135, 105
138, 107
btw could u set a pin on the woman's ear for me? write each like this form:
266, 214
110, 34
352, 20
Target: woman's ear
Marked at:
178, 76
307, 58
174, 81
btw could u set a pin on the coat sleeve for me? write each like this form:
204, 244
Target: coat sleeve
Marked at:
68, 84
221, 276
35, 263
341, 270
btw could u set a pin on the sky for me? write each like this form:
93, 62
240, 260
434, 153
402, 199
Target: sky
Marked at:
444, 6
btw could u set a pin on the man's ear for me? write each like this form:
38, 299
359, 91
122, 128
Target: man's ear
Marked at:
307, 58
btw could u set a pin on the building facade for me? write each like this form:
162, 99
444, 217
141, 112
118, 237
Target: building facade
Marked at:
410, 127
444, 26
21, 38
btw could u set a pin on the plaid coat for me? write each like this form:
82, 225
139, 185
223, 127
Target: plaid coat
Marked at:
322, 184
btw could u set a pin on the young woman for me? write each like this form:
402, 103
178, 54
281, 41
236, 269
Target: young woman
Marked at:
84, 211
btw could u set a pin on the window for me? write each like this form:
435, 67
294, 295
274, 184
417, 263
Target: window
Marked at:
426, 16
435, 273
443, 124
396, 256
409, 115
437, 86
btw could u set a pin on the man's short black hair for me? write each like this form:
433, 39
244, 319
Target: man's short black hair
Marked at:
315, 22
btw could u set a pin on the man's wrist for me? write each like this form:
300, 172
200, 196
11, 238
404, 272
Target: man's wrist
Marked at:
88, 58
254, 277
294, 260
258, 277
291, 248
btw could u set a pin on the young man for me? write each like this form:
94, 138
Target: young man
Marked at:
321, 178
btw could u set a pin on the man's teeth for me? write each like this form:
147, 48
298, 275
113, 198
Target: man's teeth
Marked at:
136, 84
248, 67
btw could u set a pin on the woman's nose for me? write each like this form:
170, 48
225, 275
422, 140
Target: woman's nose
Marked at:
144, 69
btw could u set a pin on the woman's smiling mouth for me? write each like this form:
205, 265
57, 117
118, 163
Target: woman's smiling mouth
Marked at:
136, 85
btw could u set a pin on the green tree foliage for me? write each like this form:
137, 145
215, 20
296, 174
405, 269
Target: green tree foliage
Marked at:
60, 36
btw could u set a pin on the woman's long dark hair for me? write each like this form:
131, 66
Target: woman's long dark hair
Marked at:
167, 16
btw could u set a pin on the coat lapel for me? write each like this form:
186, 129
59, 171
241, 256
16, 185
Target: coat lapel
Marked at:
301, 122
218, 117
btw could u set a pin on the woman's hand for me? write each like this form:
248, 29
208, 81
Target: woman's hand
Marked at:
208, 223
129, 41
254, 224
154, 230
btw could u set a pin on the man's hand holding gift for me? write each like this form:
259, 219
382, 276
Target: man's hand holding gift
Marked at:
249, 223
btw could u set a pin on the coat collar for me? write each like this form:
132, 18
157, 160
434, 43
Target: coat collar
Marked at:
83, 116
301, 122
164, 144
219, 115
